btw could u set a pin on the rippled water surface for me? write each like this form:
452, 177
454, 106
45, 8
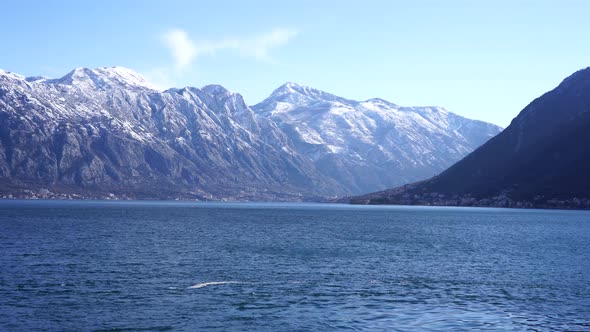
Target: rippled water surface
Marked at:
143, 266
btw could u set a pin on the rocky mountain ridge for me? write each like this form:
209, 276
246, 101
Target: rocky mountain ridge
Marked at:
374, 143
108, 132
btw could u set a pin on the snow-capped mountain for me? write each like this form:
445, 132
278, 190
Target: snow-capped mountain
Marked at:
372, 144
108, 130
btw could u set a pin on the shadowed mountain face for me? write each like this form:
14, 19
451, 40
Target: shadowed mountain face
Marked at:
542, 156
107, 130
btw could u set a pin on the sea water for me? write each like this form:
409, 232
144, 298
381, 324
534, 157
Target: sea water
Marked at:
165, 266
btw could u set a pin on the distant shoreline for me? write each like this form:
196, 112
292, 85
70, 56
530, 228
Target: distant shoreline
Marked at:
551, 204
318, 203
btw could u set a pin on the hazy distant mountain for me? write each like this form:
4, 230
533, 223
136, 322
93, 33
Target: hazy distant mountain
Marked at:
373, 144
97, 132
541, 159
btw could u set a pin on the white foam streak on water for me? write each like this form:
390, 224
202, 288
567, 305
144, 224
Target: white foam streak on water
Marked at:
212, 283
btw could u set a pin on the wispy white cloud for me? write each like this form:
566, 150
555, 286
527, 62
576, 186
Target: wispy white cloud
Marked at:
185, 51
260, 46
162, 77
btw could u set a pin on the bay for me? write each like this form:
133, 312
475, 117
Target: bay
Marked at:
178, 266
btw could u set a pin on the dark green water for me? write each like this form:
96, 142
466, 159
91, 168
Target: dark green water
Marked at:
143, 266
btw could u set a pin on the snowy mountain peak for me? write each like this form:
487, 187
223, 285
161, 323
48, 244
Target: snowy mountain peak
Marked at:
290, 88
290, 96
382, 102
11, 75
215, 89
222, 95
104, 78
77, 74
292, 85
126, 76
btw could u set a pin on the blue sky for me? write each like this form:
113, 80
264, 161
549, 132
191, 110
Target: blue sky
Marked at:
481, 59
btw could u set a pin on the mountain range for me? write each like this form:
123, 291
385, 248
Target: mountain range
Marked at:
541, 160
371, 144
108, 132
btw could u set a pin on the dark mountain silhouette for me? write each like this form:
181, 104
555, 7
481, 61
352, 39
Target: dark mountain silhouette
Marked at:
541, 160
